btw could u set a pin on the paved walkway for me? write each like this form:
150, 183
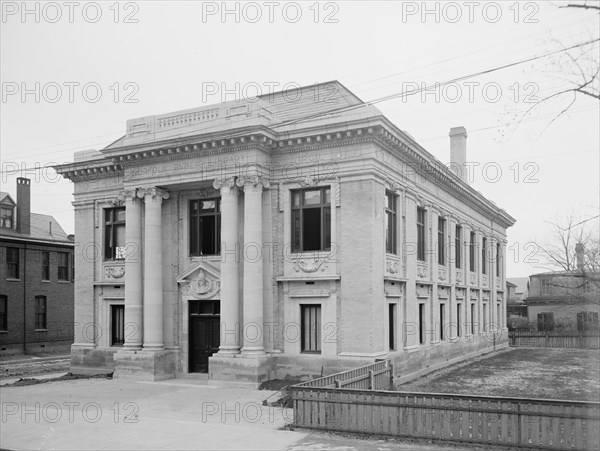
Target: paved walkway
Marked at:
103, 414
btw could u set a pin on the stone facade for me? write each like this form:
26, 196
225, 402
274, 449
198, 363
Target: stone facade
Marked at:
303, 283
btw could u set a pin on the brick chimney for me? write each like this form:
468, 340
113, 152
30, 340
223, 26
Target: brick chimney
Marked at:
458, 152
579, 250
23, 205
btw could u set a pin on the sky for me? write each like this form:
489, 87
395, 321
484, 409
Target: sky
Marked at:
73, 73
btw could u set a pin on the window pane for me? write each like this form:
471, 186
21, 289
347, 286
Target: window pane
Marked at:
120, 214
208, 205
296, 199
312, 197
327, 195
296, 229
327, 227
311, 229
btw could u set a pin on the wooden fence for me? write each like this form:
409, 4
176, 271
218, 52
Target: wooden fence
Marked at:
376, 376
578, 340
521, 423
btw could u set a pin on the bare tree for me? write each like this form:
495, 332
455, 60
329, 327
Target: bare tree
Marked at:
575, 75
573, 251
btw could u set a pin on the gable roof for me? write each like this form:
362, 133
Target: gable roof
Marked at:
6, 198
521, 284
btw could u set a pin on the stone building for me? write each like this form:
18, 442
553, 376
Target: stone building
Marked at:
288, 235
36, 270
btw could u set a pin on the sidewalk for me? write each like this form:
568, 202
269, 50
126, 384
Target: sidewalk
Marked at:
105, 414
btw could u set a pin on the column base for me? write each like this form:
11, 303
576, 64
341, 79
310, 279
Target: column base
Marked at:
249, 370
228, 350
247, 351
145, 365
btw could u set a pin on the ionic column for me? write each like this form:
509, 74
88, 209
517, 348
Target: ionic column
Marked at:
133, 270
153, 287
253, 265
230, 311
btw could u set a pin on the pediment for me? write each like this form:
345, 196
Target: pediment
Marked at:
200, 281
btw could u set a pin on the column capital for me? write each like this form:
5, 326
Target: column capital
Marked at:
227, 182
153, 192
254, 182
127, 194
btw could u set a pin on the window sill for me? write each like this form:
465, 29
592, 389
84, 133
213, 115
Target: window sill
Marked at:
10, 279
310, 352
40, 330
45, 281
63, 281
3, 331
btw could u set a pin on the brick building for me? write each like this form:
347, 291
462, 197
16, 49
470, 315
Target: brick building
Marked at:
36, 270
567, 300
284, 236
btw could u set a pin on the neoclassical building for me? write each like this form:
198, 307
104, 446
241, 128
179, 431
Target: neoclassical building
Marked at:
288, 235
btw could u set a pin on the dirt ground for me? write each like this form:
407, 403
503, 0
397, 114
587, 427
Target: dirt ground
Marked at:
33, 365
550, 373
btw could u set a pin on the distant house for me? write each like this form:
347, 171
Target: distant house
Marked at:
564, 299
36, 272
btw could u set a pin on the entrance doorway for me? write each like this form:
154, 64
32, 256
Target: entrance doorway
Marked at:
204, 335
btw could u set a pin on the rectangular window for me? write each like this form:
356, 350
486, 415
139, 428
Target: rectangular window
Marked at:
422, 323
117, 314
63, 265
3, 312
392, 326
587, 321
587, 287
40, 312
390, 224
442, 321
545, 322
310, 325
484, 255
472, 319
458, 247
498, 316
485, 318
441, 241
45, 265
311, 219
498, 259
546, 287
421, 234
458, 321
114, 233
7, 217
472, 252
12, 262
205, 227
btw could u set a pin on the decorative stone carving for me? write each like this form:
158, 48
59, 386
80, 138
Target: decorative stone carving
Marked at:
229, 182
391, 266
472, 279
153, 192
254, 181
310, 264
442, 274
485, 280
422, 291
114, 272
421, 271
498, 283
203, 286
459, 277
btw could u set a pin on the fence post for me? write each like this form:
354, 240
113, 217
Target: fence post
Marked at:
338, 384
371, 380
518, 423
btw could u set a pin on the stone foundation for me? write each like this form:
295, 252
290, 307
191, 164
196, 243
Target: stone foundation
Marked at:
91, 360
145, 365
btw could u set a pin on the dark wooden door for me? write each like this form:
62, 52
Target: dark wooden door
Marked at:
204, 334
